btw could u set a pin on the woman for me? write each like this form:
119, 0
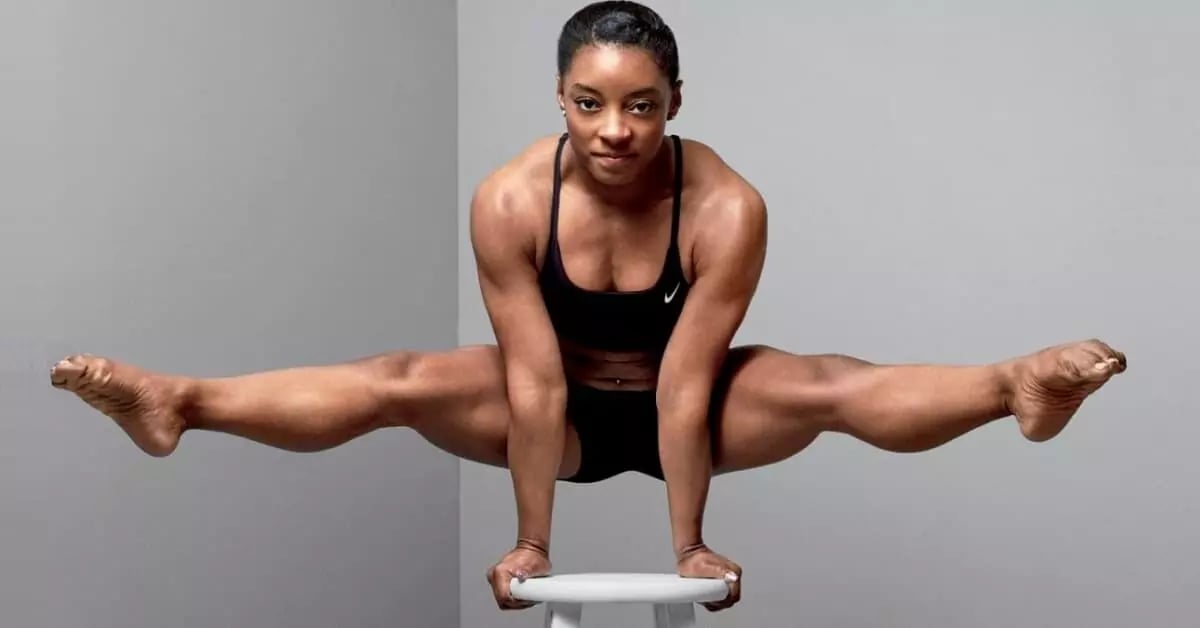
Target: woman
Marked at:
616, 263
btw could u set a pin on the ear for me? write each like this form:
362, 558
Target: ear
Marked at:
558, 92
676, 100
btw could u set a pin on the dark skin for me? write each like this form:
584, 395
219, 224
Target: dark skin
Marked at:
505, 405
616, 102
771, 404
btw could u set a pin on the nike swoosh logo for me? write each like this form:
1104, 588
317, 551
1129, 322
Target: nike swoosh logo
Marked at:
669, 297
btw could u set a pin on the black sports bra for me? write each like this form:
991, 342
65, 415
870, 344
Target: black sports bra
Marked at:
640, 320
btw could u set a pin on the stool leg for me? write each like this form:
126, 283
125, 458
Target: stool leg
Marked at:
563, 614
674, 616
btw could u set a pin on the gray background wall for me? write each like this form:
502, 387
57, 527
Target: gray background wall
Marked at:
179, 183
214, 188
944, 186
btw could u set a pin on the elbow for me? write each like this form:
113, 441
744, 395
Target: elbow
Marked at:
538, 402
682, 403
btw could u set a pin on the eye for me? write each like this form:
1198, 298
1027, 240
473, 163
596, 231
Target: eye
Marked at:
642, 107
584, 103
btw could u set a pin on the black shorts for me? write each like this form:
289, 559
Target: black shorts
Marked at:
618, 432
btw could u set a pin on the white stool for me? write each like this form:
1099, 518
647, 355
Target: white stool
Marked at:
672, 596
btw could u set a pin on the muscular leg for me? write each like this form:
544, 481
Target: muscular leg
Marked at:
455, 399
771, 404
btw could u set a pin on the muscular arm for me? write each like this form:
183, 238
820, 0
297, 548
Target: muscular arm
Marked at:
728, 259
505, 259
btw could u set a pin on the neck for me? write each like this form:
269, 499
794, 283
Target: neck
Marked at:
650, 185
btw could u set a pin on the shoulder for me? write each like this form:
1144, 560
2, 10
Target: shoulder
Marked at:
510, 201
728, 215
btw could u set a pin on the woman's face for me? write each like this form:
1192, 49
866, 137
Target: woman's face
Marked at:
617, 102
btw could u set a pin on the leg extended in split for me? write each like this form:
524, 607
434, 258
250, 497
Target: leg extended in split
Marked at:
455, 399
771, 404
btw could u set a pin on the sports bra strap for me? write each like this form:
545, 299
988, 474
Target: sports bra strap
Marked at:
676, 206
562, 141
675, 209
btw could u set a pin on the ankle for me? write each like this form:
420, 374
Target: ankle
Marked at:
1006, 376
188, 397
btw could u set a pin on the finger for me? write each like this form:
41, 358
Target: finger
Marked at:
734, 580
509, 603
722, 604
519, 575
512, 602
515, 603
735, 595
719, 606
500, 589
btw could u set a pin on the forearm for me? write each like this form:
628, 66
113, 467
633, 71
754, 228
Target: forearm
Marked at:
686, 458
536, 438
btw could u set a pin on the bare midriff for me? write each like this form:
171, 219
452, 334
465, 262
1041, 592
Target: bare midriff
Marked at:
609, 370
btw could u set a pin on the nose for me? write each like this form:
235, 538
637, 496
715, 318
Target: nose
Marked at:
614, 129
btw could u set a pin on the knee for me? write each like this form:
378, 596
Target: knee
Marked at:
834, 381
835, 365
388, 379
833, 374
390, 366
385, 375
416, 386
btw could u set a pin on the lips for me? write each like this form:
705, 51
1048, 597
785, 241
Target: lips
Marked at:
613, 159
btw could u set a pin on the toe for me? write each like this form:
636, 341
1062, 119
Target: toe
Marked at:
1103, 369
1110, 353
1095, 350
63, 373
1121, 363
1072, 369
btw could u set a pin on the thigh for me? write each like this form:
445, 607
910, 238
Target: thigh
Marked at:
458, 401
768, 405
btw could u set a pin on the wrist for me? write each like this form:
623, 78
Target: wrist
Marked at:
687, 538
541, 546
534, 535
690, 549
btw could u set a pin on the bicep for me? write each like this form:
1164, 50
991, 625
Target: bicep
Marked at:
725, 283
523, 332
513, 300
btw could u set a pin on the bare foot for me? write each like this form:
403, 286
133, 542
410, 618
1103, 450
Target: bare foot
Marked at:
144, 404
1050, 385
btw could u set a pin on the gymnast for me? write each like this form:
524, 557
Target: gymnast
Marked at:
615, 262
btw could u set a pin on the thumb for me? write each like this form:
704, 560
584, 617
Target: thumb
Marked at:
524, 572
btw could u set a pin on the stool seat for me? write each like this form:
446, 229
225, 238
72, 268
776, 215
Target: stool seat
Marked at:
653, 588
670, 595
